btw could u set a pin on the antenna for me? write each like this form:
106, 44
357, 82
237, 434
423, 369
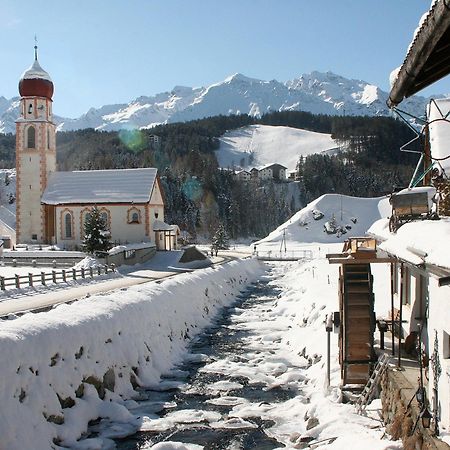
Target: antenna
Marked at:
35, 48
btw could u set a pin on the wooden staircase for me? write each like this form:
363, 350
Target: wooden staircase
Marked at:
369, 389
357, 323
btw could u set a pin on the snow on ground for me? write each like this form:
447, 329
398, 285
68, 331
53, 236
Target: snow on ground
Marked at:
60, 369
284, 348
353, 216
259, 145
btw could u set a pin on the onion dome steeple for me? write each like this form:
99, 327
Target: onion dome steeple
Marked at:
35, 81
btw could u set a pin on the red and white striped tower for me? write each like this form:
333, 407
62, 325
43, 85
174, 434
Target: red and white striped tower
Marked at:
35, 152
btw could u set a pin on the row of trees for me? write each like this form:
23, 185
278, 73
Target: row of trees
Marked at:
199, 195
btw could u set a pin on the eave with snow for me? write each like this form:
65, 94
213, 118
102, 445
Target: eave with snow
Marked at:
428, 57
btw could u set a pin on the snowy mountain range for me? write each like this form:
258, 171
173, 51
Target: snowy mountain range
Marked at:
318, 93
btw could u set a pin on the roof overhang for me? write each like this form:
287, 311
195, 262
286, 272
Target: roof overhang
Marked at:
428, 58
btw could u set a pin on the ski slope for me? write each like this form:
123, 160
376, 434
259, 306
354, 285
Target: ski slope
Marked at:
260, 145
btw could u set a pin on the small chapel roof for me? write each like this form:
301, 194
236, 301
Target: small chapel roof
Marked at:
100, 186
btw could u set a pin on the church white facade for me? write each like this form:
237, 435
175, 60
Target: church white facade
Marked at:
52, 206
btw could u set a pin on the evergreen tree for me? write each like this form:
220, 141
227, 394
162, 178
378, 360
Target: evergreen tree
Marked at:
96, 234
220, 239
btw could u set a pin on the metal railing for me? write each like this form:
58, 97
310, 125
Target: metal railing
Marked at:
293, 255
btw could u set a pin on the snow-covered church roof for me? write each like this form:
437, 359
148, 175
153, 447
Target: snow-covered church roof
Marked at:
100, 186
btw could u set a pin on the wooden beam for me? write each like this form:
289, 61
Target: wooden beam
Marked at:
337, 260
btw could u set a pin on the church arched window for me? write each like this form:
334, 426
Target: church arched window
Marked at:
104, 214
68, 225
48, 139
31, 137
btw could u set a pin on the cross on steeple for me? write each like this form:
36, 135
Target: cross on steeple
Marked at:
35, 48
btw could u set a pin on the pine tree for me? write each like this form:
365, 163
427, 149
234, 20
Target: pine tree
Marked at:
96, 234
220, 239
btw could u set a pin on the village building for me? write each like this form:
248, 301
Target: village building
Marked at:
52, 206
243, 175
415, 242
275, 172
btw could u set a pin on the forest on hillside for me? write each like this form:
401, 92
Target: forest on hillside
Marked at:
200, 196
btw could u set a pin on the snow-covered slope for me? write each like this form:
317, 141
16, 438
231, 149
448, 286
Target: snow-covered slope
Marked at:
352, 214
319, 93
259, 145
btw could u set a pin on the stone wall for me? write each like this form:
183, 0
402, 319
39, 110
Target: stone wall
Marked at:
400, 411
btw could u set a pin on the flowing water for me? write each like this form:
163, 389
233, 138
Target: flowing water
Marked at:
226, 369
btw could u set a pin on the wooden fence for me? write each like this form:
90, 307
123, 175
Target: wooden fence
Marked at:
60, 276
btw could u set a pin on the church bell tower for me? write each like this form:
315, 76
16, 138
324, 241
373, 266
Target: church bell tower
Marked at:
35, 155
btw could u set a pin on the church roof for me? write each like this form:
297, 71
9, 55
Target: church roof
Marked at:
100, 186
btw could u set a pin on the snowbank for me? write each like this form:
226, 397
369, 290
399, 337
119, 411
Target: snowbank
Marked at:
352, 214
61, 369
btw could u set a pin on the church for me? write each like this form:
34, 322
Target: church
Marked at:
52, 206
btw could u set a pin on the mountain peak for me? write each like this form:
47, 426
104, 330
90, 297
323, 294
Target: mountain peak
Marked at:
239, 77
316, 92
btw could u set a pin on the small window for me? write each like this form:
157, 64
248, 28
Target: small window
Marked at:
34, 237
446, 345
30, 108
48, 139
156, 214
31, 137
134, 215
68, 225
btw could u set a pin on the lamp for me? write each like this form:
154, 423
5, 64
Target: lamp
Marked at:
426, 416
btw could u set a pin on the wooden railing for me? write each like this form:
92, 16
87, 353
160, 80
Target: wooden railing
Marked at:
60, 276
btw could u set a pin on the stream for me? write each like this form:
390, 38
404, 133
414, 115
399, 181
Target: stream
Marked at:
220, 396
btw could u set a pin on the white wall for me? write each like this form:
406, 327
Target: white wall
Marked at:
439, 321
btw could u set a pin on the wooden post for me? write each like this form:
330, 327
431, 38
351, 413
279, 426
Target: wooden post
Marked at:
30, 279
54, 276
82, 272
106, 268
402, 271
74, 274
329, 328
43, 278
17, 281
2, 283
99, 270
392, 308
63, 272
91, 272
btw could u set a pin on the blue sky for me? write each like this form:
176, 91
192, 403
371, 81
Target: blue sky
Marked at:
109, 51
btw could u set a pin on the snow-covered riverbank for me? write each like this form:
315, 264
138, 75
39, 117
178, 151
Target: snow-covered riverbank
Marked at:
61, 369
285, 349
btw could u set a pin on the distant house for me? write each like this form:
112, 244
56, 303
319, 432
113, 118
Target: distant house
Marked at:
243, 175
269, 172
154, 139
254, 173
275, 171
